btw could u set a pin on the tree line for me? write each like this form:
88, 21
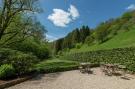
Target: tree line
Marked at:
76, 36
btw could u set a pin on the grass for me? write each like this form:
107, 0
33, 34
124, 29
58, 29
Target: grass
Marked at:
55, 65
124, 39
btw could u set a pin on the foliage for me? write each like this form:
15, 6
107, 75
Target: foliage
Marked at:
58, 45
127, 15
21, 62
5, 55
38, 49
42, 52
21, 30
55, 65
102, 32
67, 42
74, 37
25, 28
84, 32
22, 37
89, 40
124, 56
6, 71
60, 53
9, 10
78, 45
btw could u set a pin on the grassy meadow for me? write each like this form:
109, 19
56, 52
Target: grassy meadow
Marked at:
123, 39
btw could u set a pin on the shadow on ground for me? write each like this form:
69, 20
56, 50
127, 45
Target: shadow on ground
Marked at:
50, 76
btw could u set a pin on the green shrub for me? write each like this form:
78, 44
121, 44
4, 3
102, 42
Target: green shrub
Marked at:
23, 63
66, 50
78, 45
37, 49
58, 66
42, 52
5, 55
6, 71
60, 53
89, 40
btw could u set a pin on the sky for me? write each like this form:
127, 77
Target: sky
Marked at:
62, 16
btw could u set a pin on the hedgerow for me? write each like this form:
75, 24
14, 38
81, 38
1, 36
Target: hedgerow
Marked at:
123, 56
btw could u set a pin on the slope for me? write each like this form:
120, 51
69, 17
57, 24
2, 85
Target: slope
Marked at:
123, 39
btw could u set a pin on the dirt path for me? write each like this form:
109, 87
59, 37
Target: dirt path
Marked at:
77, 80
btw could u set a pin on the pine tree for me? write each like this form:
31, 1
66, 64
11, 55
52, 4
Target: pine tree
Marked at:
75, 36
58, 45
84, 32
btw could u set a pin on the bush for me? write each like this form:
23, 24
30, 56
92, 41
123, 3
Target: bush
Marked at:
37, 49
23, 63
78, 45
60, 53
89, 40
5, 55
55, 66
6, 71
42, 52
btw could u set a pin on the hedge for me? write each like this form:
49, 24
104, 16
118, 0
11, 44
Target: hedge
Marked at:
51, 67
123, 56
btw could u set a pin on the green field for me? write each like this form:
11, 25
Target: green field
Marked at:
124, 39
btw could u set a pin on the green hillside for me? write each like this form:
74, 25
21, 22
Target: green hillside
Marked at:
113, 33
123, 39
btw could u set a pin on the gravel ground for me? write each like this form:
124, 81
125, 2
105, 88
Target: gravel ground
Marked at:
77, 80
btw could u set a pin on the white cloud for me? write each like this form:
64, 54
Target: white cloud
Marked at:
131, 7
59, 17
51, 38
62, 18
73, 12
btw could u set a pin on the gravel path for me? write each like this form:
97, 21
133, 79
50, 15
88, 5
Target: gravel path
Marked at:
77, 80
